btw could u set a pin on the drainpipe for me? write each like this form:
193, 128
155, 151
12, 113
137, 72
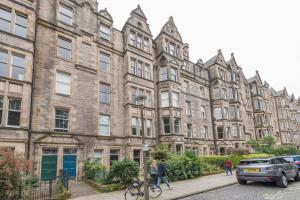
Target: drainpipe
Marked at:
32, 82
211, 114
279, 128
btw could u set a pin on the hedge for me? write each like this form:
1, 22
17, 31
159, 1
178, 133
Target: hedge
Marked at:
219, 160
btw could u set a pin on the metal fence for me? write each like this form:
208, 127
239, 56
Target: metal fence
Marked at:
41, 190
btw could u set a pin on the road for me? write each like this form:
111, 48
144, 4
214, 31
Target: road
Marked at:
251, 191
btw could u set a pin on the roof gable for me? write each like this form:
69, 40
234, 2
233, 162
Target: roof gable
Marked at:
138, 20
104, 13
171, 29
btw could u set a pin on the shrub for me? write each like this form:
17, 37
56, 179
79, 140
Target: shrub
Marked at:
123, 172
61, 192
94, 170
285, 150
161, 151
238, 151
214, 160
12, 168
180, 167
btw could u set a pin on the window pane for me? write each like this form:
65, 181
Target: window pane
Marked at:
147, 71
175, 99
132, 39
114, 156
134, 126
5, 14
14, 112
104, 62
13, 118
3, 63
5, 20
148, 125
177, 125
104, 32
64, 49
104, 93
17, 73
21, 31
163, 73
64, 43
18, 64
61, 120
63, 83
173, 74
165, 99
104, 125
21, 25
14, 104
98, 155
65, 14
166, 122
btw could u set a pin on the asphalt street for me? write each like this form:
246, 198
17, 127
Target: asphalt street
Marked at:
251, 191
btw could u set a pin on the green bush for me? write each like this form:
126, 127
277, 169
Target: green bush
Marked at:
285, 150
181, 167
214, 160
161, 151
122, 172
94, 170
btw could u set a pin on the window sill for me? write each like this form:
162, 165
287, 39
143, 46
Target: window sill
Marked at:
130, 45
105, 103
62, 95
140, 77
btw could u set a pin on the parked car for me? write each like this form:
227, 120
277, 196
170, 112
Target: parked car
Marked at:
294, 159
275, 169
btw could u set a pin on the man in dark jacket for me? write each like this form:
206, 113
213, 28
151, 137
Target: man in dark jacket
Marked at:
162, 174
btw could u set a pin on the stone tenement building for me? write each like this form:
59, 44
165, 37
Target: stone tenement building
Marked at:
70, 82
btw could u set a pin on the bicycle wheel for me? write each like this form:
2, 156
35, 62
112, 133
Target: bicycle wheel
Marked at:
154, 191
132, 193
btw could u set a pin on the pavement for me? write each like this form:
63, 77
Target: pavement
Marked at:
251, 191
179, 190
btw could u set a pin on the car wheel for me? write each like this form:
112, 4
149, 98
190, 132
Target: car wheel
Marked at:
242, 182
282, 182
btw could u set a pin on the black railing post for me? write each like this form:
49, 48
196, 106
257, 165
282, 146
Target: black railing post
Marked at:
50, 188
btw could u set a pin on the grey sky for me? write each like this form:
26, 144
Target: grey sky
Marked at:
263, 34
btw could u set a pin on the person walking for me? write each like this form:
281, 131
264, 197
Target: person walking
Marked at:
153, 172
228, 166
162, 174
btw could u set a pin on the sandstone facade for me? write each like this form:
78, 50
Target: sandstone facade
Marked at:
87, 77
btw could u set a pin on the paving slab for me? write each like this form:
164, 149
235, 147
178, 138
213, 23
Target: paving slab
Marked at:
180, 189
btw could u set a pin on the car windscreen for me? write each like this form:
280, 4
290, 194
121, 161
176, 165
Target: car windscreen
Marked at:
290, 159
254, 162
297, 158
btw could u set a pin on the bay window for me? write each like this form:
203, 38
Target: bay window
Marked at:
165, 99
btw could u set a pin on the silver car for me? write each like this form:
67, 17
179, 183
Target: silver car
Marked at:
273, 169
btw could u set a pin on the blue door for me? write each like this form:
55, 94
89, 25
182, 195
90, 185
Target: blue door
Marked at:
69, 165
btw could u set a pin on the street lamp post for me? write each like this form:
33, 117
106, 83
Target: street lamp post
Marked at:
142, 98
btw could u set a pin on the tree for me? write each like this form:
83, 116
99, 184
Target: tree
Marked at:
161, 151
268, 141
253, 143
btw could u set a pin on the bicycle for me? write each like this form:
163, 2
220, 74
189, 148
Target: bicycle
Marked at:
136, 190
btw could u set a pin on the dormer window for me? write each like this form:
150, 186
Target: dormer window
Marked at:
104, 32
65, 14
172, 49
132, 40
139, 41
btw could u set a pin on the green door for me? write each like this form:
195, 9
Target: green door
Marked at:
49, 167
